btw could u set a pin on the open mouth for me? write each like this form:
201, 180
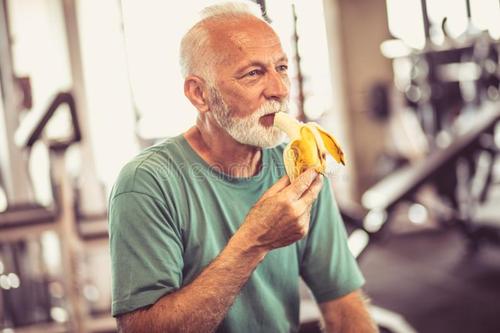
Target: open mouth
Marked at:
267, 120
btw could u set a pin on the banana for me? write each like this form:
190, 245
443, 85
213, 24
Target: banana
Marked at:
308, 146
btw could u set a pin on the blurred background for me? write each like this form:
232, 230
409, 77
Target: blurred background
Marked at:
409, 87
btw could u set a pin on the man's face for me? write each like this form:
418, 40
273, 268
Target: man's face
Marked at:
251, 82
248, 130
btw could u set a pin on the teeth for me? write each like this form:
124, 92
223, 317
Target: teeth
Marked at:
308, 147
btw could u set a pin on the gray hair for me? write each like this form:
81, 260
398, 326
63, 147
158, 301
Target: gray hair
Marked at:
196, 54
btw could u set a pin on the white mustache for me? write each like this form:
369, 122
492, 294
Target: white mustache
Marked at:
271, 107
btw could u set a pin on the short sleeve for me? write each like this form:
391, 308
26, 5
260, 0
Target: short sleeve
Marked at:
146, 251
327, 266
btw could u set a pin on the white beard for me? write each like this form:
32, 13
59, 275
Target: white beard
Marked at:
248, 130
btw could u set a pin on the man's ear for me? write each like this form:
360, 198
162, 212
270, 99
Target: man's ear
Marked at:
195, 90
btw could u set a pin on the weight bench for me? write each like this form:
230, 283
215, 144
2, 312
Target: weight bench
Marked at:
379, 201
437, 168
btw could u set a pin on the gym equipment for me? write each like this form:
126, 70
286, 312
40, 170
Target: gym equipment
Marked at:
368, 222
446, 82
15, 185
454, 94
29, 214
402, 185
78, 298
17, 220
449, 89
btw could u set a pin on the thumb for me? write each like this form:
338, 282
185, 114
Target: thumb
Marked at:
302, 183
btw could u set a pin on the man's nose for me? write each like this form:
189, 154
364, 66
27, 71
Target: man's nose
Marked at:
277, 85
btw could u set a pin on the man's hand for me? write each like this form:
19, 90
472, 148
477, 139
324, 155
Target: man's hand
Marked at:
282, 215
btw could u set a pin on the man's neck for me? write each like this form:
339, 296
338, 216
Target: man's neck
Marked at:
221, 151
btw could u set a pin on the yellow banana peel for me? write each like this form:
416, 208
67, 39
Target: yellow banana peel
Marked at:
308, 146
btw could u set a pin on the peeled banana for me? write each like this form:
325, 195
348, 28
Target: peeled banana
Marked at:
308, 146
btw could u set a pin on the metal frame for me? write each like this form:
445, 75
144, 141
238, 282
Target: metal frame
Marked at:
18, 187
13, 162
92, 196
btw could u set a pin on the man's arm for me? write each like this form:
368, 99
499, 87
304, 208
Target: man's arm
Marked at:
347, 314
279, 218
201, 305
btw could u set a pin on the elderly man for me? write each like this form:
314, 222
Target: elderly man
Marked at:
207, 232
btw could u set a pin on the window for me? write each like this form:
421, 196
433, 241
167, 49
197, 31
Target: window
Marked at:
406, 22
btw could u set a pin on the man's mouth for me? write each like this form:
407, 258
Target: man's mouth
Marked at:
267, 120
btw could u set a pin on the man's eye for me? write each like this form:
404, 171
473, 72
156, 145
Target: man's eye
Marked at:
253, 73
282, 68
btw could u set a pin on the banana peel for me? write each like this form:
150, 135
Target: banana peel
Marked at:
308, 146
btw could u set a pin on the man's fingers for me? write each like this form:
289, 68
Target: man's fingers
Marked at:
282, 183
312, 192
302, 183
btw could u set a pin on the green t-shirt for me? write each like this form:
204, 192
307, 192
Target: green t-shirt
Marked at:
171, 214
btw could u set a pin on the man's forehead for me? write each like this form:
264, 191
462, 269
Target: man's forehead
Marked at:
242, 34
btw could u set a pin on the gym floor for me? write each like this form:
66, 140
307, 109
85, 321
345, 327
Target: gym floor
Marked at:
428, 275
